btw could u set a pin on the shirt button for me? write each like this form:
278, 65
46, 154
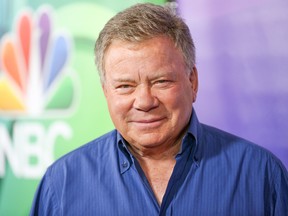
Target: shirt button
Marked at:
125, 164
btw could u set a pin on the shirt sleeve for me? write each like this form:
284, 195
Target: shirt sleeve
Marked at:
45, 202
281, 187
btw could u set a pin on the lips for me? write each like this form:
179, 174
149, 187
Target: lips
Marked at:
154, 122
149, 120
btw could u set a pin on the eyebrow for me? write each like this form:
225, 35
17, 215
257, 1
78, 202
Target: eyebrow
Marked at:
168, 74
120, 79
154, 76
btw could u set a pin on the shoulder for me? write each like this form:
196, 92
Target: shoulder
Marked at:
218, 138
73, 171
236, 150
103, 146
234, 161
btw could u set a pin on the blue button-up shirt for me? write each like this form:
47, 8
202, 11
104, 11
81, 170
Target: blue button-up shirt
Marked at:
216, 173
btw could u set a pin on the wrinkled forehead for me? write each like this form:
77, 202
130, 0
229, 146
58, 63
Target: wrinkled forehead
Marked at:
156, 55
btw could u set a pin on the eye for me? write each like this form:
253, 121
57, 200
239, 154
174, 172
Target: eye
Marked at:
124, 88
162, 83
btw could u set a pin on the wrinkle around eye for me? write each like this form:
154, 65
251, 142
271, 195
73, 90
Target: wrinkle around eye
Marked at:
163, 83
124, 88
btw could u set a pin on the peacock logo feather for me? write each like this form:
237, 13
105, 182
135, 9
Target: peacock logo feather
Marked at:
35, 77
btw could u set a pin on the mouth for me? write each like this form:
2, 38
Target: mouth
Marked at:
148, 123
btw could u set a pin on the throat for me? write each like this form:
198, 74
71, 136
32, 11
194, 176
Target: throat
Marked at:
158, 165
158, 173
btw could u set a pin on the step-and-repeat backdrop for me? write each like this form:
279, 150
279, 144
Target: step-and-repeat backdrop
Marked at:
242, 59
50, 95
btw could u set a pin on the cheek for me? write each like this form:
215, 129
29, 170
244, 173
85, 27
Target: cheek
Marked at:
179, 103
118, 106
175, 99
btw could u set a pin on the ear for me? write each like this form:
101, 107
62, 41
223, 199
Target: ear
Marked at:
193, 77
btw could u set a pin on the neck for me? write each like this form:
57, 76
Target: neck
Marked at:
165, 151
155, 153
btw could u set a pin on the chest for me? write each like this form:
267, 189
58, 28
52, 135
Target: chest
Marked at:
191, 189
126, 194
158, 179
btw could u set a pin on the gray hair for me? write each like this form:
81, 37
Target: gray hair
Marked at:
142, 22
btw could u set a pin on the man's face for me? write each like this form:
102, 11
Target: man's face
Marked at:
148, 91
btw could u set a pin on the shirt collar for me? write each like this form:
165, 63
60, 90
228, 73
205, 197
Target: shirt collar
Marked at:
193, 125
195, 130
192, 133
125, 157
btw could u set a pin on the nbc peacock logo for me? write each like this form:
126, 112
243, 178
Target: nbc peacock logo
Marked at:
36, 82
35, 77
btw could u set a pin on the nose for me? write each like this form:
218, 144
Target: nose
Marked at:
144, 99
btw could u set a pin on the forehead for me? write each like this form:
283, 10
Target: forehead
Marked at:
154, 49
159, 42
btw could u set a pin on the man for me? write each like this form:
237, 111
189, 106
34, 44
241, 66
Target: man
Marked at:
160, 160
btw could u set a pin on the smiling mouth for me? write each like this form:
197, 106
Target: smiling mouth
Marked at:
148, 122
